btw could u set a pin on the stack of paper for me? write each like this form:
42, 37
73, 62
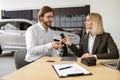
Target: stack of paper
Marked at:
65, 70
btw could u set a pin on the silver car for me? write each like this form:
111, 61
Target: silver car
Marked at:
12, 34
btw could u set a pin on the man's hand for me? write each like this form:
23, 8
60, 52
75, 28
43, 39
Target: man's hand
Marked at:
56, 44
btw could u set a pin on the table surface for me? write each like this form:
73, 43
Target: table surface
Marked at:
42, 70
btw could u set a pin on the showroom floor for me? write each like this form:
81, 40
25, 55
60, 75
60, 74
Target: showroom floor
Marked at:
7, 64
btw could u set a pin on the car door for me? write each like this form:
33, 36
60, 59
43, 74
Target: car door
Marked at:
22, 28
9, 35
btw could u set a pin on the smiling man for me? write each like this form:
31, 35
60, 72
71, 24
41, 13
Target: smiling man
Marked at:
39, 37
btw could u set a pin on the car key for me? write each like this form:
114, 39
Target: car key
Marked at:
65, 51
62, 35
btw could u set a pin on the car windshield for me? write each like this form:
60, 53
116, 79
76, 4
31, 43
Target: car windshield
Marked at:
14, 25
8, 26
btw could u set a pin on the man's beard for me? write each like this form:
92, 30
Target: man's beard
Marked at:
47, 23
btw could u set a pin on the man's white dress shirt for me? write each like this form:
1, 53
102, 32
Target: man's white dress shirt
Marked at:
38, 42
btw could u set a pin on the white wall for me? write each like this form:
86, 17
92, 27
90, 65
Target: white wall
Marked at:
0, 14
109, 9
36, 4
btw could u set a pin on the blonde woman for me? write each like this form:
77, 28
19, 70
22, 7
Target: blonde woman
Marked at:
95, 43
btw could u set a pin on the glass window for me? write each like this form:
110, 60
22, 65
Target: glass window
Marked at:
9, 26
23, 25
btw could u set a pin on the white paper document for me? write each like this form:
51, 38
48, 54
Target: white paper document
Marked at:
65, 70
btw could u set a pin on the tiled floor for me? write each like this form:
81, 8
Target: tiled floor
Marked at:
7, 64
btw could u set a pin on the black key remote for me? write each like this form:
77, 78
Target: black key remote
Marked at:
62, 35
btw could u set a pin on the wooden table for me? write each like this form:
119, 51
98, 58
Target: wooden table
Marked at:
42, 70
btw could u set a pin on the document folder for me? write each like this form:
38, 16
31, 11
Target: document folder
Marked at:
66, 70
70, 57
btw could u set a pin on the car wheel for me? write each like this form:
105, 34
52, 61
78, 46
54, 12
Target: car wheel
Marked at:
0, 50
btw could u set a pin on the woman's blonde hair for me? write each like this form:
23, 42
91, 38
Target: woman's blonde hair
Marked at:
97, 23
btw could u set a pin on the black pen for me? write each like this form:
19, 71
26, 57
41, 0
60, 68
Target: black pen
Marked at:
65, 67
50, 61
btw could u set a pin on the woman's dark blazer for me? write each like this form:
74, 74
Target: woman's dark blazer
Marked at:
104, 47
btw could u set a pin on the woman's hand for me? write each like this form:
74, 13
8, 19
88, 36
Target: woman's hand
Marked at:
88, 55
67, 41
